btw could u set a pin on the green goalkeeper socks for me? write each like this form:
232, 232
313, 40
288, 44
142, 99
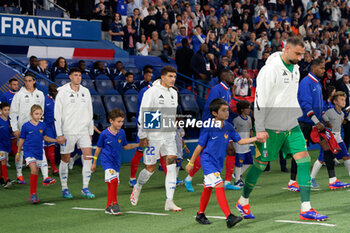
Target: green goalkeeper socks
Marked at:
304, 178
252, 178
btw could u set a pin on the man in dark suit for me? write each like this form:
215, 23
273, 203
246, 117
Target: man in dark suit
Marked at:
183, 61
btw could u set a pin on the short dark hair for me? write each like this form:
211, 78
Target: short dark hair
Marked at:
13, 80
216, 104
74, 70
147, 67
316, 62
128, 73
30, 74
118, 62
115, 113
81, 62
295, 40
32, 58
329, 91
241, 105
224, 72
4, 105
167, 69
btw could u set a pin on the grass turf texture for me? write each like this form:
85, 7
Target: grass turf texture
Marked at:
269, 203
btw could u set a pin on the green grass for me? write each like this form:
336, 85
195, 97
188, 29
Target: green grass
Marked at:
269, 203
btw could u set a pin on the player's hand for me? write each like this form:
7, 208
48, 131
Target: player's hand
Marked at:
320, 126
187, 150
17, 133
61, 140
143, 142
189, 168
262, 136
93, 167
17, 157
328, 125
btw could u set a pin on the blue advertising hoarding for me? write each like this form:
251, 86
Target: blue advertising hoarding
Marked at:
44, 27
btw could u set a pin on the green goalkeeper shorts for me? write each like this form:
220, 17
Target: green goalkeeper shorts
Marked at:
289, 142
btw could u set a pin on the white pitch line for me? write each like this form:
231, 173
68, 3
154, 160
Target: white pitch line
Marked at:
217, 217
128, 212
312, 189
49, 204
307, 223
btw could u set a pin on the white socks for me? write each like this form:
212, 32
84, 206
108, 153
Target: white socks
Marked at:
86, 172
188, 178
19, 165
243, 201
291, 182
143, 178
317, 166
244, 168
305, 206
63, 168
170, 181
332, 180
44, 168
238, 173
347, 165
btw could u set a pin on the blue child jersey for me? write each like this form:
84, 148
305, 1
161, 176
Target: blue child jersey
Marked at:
49, 108
33, 136
215, 142
7, 97
111, 145
5, 135
220, 90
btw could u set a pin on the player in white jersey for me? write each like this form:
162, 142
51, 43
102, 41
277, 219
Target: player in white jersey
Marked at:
336, 119
243, 126
74, 125
158, 103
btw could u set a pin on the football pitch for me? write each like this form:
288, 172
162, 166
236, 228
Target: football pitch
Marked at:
275, 208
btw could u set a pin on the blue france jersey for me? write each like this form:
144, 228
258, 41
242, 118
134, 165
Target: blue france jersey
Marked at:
220, 90
7, 97
33, 136
215, 142
5, 135
49, 118
111, 145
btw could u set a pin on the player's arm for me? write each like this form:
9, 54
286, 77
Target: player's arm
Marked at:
244, 141
195, 154
20, 145
58, 117
185, 146
97, 152
131, 146
91, 116
49, 139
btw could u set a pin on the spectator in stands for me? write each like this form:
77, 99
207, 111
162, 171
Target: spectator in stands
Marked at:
328, 80
176, 27
128, 83
346, 65
162, 21
242, 84
181, 36
213, 46
252, 55
305, 65
168, 38
143, 46
82, 67
187, 22
102, 11
245, 32
197, 38
119, 71
232, 61
129, 39
59, 67
201, 68
199, 17
284, 17
33, 65
100, 69
183, 58
147, 77
149, 22
224, 65
263, 60
131, 7
156, 45
43, 69
122, 9
261, 24
137, 23
144, 9
116, 31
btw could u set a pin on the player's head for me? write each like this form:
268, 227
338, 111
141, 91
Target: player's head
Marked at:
339, 99
116, 118
219, 109
5, 109
75, 75
13, 84
168, 76
36, 112
33, 61
29, 81
226, 75
129, 77
294, 50
330, 91
53, 90
317, 67
147, 75
243, 106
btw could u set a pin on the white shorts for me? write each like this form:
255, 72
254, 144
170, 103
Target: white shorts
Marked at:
156, 148
82, 141
3, 155
212, 179
29, 160
111, 174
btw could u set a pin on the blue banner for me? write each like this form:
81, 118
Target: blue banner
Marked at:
54, 28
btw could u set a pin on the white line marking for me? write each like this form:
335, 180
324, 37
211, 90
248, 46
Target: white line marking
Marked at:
128, 212
217, 217
199, 184
307, 223
312, 189
49, 204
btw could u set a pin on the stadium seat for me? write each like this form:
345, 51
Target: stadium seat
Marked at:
61, 82
62, 76
116, 101
85, 76
133, 70
130, 100
43, 82
189, 103
100, 117
103, 84
88, 83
